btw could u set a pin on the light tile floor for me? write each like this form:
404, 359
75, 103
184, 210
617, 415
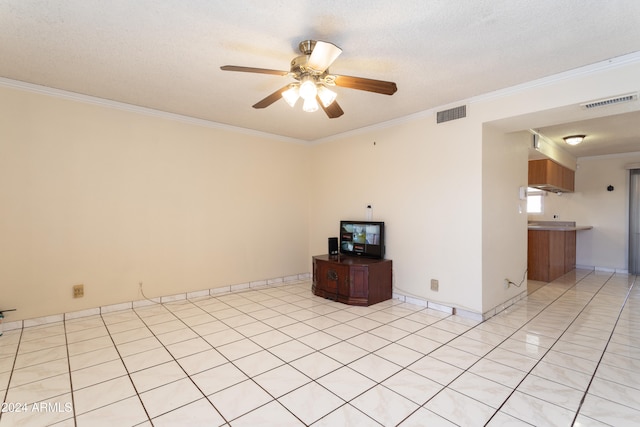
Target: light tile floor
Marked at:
568, 354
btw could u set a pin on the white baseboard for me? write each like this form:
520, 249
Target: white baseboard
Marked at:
277, 281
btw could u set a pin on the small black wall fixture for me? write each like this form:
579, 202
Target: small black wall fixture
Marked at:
610, 188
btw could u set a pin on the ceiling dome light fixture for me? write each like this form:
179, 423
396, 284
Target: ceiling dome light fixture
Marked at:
574, 139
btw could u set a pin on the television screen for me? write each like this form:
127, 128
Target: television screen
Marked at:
362, 238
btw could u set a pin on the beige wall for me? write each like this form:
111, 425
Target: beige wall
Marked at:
110, 198
422, 180
504, 215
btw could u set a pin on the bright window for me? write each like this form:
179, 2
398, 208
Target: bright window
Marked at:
535, 200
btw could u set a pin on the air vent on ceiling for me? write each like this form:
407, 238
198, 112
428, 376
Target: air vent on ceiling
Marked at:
610, 101
452, 114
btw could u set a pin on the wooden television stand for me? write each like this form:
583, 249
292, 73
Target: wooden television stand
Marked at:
352, 280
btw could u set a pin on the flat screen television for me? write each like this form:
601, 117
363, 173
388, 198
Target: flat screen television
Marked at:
362, 238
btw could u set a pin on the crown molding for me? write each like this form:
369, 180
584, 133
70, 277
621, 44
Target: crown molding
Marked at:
107, 103
586, 70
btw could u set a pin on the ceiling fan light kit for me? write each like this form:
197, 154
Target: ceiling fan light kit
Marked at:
311, 70
310, 92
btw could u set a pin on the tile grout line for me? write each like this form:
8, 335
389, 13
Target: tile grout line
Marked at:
550, 307
115, 346
298, 321
73, 403
473, 364
380, 383
370, 353
494, 347
586, 391
556, 340
314, 380
343, 365
13, 367
164, 305
288, 363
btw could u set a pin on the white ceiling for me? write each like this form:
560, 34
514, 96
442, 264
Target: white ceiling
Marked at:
166, 55
619, 133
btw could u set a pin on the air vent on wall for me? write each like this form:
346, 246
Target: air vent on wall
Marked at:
452, 114
610, 101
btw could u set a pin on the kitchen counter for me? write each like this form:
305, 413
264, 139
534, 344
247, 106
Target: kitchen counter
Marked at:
557, 226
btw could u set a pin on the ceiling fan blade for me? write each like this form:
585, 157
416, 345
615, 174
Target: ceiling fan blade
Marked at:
333, 110
360, 83
271, 98
323, 55
253, 70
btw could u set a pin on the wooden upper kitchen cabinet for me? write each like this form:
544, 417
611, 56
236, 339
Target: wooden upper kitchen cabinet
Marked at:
548, 175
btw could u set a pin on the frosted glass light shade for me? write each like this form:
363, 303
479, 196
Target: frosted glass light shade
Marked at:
574, 139
308, 90
291, 95
310, 105
327, 96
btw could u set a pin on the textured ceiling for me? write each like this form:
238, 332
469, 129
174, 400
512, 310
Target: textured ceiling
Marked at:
166, 55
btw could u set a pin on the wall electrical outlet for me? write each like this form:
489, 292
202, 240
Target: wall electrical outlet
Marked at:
506, 283
78, 291
434, 285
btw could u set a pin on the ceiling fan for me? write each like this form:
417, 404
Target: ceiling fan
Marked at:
311, 72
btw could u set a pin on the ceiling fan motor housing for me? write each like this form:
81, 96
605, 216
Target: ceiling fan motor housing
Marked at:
299, 65
299, 69
306, 46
